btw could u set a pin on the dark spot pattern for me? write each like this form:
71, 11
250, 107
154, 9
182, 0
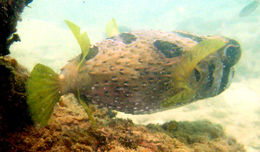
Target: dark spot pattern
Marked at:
127, 38
210, 77
197, 75
133, 72
224, 79
92, 53
169, 49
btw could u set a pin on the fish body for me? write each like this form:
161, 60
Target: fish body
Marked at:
136, 72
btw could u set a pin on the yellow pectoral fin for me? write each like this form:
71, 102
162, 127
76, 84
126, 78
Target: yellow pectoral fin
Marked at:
111, 28
87, 109
195, 55
184, 70
180, 98
203, 49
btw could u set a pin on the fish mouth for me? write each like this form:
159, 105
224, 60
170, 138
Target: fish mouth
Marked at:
215, 73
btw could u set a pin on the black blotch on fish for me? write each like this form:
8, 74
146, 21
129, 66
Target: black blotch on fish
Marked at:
197, 75
193, 37
92, 53
224, 79
169, 49
232, 54
210, 78
127, 38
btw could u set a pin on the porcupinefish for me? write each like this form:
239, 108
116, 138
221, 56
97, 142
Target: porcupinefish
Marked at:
137, 72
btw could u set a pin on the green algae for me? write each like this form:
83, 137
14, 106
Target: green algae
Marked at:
190, 132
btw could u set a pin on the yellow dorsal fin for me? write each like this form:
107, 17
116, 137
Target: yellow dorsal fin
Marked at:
111, 28
82, 39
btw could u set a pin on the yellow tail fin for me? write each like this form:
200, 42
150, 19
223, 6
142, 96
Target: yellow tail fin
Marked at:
42, 90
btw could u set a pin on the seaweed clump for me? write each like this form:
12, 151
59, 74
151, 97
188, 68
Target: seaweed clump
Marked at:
200, 135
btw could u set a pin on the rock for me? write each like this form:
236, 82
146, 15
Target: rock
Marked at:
9, 15
69, 129
14, 115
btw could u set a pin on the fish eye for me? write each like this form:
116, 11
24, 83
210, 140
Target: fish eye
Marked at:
232, 54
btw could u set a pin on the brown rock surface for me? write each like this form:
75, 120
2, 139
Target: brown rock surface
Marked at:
69, 129
13, 108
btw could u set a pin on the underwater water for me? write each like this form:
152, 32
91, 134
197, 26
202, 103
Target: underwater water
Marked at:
46, 39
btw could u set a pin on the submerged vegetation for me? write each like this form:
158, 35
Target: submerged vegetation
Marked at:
190, 132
